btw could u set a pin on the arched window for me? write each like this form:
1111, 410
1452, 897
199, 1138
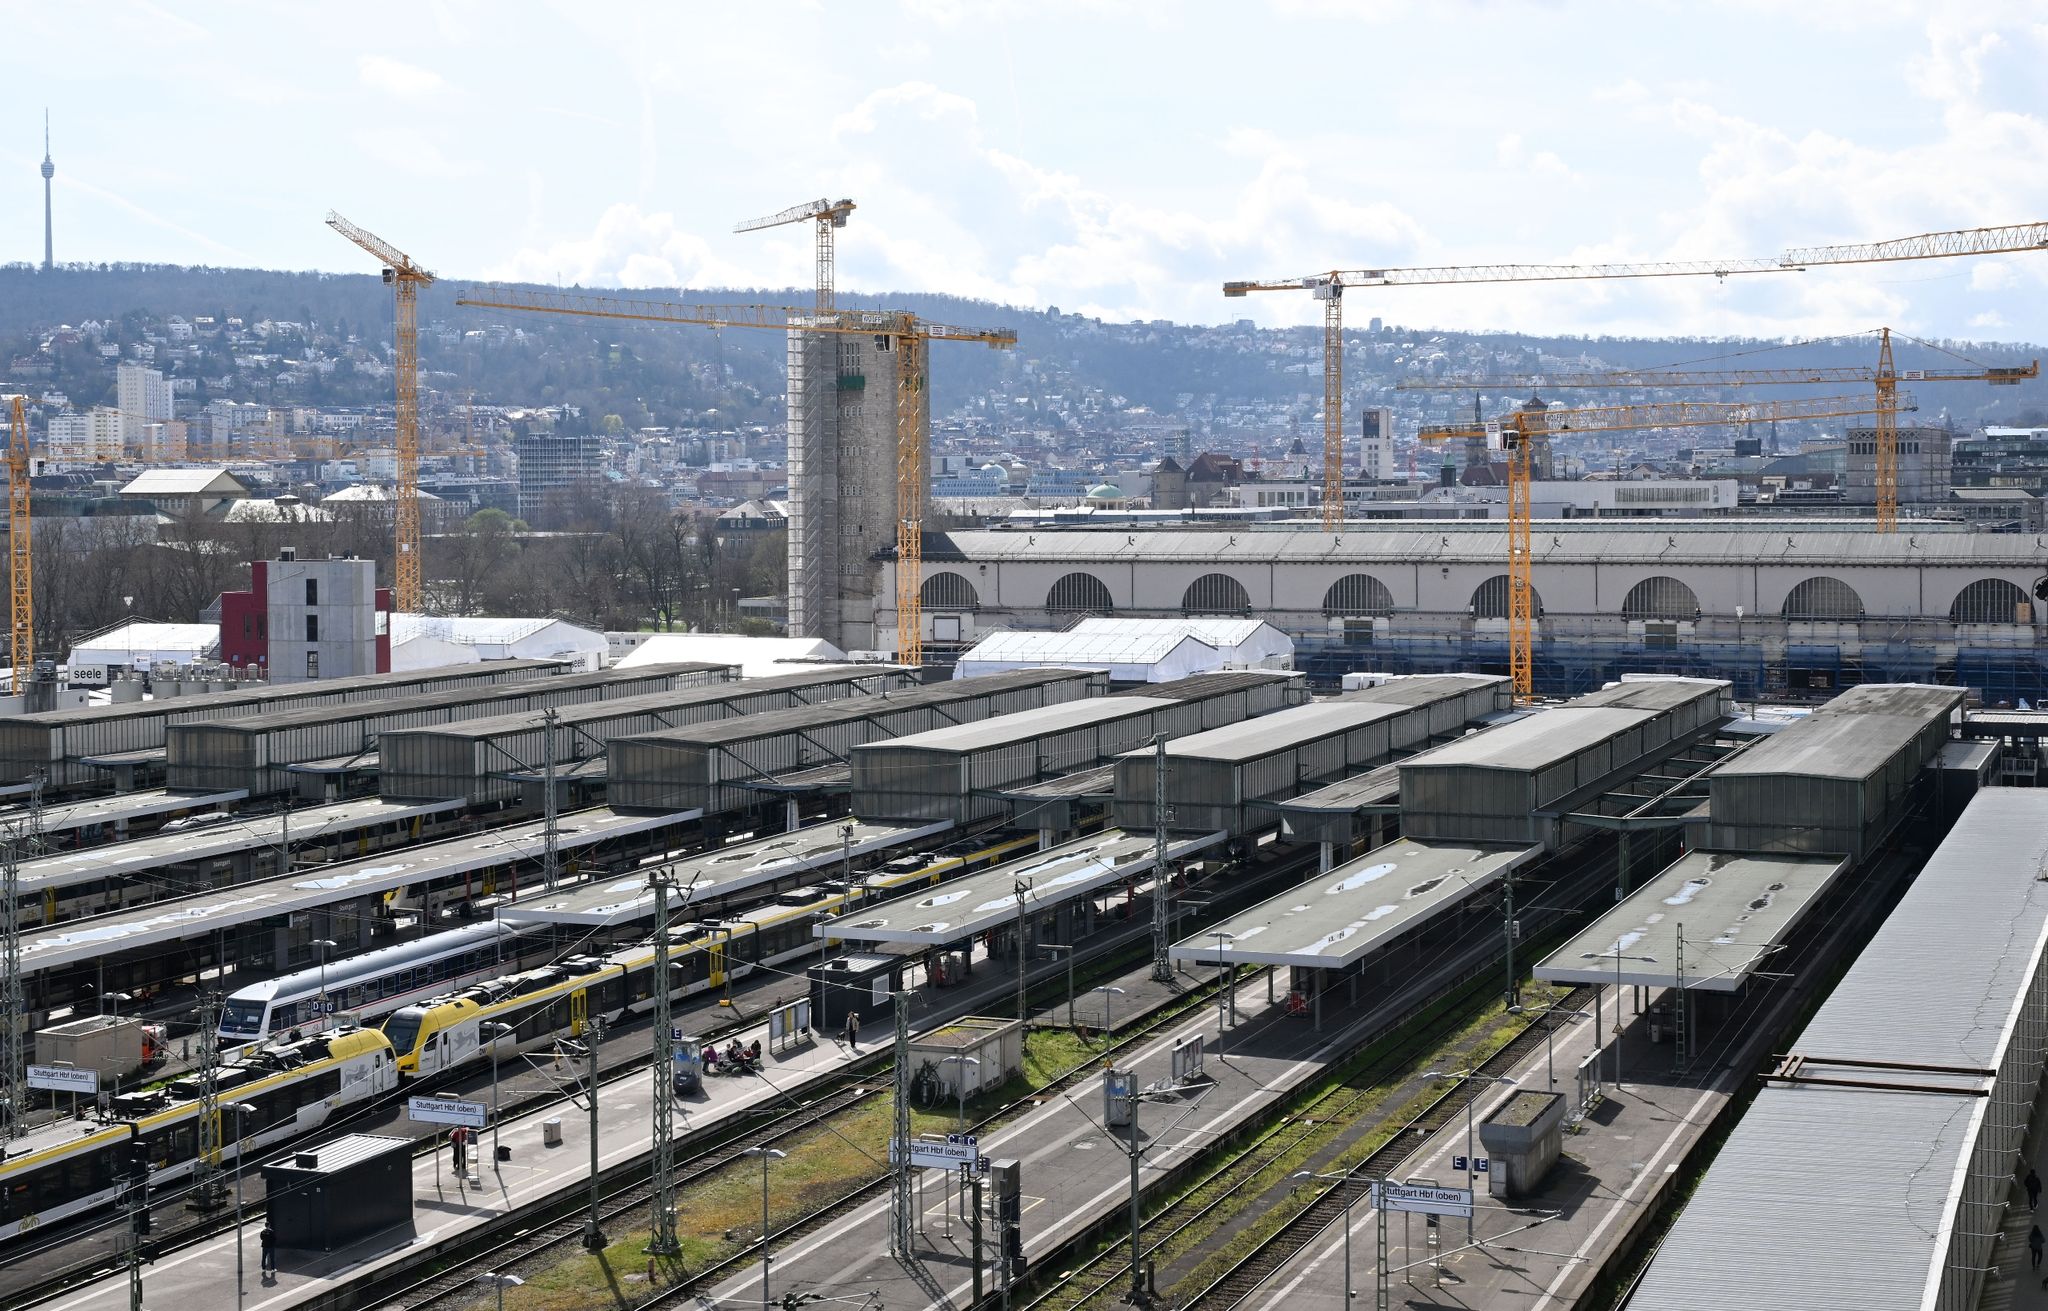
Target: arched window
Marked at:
1490, 599
1080, 593
1660, 597
1357, 596
1216, 594
948, 592
1822, 597
1989, 601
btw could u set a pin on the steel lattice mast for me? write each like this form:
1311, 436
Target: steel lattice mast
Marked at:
406, 277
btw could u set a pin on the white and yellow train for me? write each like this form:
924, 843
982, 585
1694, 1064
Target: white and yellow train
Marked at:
535, 1007
72, 1166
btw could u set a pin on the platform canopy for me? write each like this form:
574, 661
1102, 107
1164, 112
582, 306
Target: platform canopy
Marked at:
324, 885
962, 908
239, 833
117, 809
718, 873
1736, 910
1336, 919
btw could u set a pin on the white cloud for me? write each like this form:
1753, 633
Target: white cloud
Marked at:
629, 248
400, 80
1992, 275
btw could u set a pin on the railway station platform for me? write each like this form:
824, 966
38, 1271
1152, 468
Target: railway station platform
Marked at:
1638, 1103
446, 1209
1074, 1172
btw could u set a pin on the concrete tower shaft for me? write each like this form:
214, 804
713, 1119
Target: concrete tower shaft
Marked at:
49, 171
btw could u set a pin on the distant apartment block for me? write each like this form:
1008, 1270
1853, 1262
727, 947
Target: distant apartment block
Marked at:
142, 396
551, 463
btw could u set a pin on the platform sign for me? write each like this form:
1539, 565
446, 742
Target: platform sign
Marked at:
64, 1078
1422, 1198
446, 1110
927, 1153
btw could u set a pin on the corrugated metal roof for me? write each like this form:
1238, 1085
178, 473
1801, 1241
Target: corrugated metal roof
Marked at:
1744, 543
1377, 787
627, 706
1920, 700
1833, 1198
1823, 1199
1541, 740
1420, 689
1939, 982
1831, 746
1654, 693
1024, 726
1283, 730
1197, 687
799, 718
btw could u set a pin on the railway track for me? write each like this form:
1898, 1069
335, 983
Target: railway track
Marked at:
1235, 1284
1109, 1270
1164, 1016
176, 1228
536, 1245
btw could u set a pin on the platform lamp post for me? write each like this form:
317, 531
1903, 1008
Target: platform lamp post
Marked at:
1107, 992
323, 946
766, 1154
501, 1282
1550, 1033
241, 1143
1223, 990
491, 1031
1065, 949
1342, 1181
1471, 1128
1023, 890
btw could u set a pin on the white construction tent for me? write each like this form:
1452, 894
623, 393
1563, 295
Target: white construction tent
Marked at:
757, 657
140, 644
1135, 650
431, 641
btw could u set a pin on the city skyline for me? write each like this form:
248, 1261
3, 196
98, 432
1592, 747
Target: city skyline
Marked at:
1064, 157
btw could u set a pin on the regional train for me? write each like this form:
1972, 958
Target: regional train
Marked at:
534, 1007
375, 983
69, 1167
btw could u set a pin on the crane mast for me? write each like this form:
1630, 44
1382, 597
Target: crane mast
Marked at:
406, 277
827, 216
21, 586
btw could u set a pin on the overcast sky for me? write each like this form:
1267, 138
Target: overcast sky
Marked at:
1116, 159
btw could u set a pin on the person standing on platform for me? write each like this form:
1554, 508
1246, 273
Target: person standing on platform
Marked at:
458, 1141
268, 1262
2033, 1182
853, 1030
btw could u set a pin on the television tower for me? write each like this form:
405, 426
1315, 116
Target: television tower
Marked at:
49, 171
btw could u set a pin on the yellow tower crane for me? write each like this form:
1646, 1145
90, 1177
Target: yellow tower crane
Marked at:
829, 216
1514, 432
1329, 288
21, 574
906, 334
406, 278
1884, 375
